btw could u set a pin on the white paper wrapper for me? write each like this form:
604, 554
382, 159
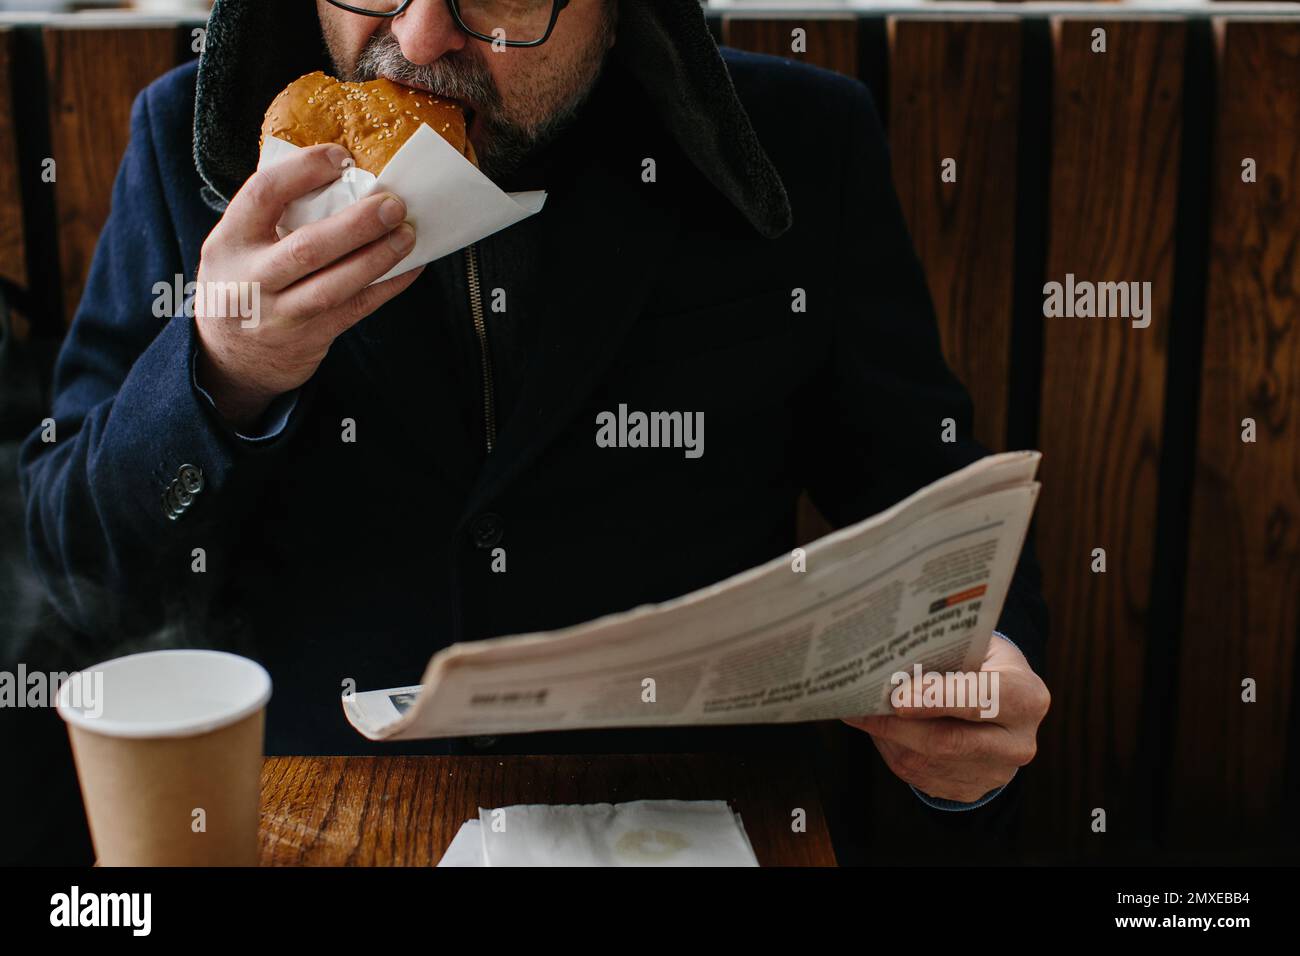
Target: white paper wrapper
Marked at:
448, 200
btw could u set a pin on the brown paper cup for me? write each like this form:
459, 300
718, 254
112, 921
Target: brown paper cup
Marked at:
168, 747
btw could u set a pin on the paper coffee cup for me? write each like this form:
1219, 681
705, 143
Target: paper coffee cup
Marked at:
168, 747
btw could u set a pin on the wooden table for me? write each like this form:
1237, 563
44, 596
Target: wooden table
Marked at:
404, 811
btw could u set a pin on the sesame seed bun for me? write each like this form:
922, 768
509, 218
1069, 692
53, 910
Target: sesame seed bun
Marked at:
371, 120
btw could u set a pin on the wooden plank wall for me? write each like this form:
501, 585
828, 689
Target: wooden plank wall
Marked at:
1116, 137
1229, 783
1117, 123
955, 94
830, 42
13, 249
93, 76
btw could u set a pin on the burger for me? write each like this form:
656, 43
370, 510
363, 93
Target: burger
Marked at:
371, 120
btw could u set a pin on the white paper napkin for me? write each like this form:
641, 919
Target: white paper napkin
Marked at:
466, 848
448, 200
639, 833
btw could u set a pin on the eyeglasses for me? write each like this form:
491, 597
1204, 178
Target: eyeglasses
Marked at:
512, 22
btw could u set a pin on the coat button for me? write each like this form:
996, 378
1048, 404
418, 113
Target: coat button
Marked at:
487, 531
191, 478
176, 500
178, 494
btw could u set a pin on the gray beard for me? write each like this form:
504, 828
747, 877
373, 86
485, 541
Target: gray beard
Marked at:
507, 145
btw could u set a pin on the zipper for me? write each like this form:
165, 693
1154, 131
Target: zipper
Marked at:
480, 329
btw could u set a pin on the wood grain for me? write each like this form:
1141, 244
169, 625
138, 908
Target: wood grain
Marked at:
404, 811
955, 93
1114, 180
1243, 585
13, 250
94, 75
831, 41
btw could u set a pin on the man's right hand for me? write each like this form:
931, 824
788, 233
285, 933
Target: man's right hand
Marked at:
313, 285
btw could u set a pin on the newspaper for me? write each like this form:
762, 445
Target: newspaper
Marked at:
814, 635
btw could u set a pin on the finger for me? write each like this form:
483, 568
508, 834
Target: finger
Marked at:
938, 694
911, 711
321, 243
880, 727
331, 287
996, 694
954, 779
945, 739
871, 723
962, 744
1019, 693
260, 202
964, 783
367, 301
910, 766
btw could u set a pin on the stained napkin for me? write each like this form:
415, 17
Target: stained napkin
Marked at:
448, 200
639, 833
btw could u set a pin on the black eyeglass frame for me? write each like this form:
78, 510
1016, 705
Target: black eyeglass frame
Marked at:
454, 7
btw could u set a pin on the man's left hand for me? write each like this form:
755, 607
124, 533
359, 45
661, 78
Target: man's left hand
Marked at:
952, 752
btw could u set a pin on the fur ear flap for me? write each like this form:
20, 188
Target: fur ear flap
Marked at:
253, 50
668, 48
